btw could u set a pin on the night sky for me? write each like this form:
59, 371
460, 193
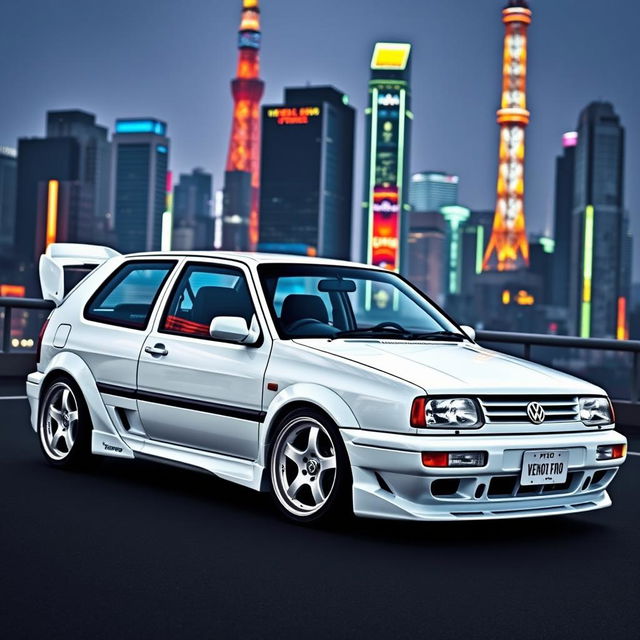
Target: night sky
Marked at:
174, 59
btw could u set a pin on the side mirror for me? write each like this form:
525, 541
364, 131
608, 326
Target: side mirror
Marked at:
234, 329
469, 331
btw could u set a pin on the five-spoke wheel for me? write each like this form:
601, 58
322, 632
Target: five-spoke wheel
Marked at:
62, 432
307, 466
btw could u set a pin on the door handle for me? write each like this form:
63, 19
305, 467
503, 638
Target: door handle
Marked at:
157, 350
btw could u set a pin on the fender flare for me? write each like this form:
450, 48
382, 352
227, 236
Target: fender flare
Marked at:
103, 427
315, 395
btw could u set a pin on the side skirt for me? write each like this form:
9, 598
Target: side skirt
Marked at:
245, 472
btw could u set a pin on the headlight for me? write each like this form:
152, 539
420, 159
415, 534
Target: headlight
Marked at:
595, 411
445, 413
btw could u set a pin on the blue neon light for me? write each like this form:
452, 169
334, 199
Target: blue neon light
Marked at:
141, 126
161, 148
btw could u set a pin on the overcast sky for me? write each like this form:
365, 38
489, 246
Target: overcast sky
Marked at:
174, 59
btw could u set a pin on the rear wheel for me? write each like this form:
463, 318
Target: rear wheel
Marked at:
310, 471
64, 427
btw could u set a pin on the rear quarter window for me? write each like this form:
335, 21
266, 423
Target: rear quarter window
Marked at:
127, 298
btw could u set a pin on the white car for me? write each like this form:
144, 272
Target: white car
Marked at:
330, 384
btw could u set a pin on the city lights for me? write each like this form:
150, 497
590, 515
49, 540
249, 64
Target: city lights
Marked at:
52, 211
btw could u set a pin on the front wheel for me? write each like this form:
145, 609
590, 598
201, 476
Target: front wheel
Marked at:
64, 427
310, 471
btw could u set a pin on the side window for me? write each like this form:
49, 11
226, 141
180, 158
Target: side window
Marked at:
204, 293
128, 297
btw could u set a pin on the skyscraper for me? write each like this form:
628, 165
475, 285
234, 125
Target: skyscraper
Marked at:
563, 210
240, 223
388, 133
307, 173
43, 163
430, 190
508, 248
138, 192
601, 255
455, 216
8, 184
192, 215
94, 158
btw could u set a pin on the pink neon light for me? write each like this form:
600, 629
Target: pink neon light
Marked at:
570, 139
169, 181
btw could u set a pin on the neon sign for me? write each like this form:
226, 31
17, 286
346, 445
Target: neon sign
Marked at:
385, 236
293, 115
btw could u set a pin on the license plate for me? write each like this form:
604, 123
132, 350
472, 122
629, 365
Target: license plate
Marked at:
544, 467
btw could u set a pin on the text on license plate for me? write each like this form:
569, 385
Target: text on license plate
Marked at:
544, 467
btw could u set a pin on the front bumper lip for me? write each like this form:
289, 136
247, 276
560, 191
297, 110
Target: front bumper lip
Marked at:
390, 480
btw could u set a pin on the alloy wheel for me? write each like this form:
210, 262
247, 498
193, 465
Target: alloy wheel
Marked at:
304, 465
59, 430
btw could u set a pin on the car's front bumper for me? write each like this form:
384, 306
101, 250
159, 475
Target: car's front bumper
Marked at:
390, 481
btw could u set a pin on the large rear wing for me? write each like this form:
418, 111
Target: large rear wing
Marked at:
59, 256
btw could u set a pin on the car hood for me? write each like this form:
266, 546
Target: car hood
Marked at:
453, 367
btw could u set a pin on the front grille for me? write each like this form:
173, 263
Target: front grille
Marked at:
510, 409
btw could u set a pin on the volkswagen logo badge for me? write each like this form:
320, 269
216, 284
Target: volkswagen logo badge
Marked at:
536, 413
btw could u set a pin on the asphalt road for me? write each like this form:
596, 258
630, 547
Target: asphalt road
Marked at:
137, 550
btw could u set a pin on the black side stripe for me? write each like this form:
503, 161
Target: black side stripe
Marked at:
194, 405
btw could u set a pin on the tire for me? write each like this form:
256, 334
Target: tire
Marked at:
309, 469
64, 425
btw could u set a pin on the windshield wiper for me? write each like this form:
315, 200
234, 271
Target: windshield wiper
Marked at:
438, 335
373, 332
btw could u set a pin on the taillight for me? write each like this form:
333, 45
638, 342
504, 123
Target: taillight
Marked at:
40, 337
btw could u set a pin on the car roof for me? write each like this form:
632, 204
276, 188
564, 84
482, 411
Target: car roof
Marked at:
251, 258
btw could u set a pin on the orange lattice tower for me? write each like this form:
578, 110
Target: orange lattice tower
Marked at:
240, 227
508, 247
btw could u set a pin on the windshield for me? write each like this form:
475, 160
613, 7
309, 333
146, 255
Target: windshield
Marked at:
321, 301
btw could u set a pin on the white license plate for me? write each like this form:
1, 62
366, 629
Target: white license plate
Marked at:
544, 467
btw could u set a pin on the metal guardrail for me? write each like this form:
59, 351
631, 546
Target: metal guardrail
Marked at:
8, 304
528, 340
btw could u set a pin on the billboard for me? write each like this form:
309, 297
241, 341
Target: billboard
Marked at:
386, 227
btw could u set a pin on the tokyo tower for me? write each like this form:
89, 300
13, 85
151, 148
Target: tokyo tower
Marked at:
242, 177
508, 247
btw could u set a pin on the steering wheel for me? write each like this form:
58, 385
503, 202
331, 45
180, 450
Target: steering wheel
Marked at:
302, 322
389, 325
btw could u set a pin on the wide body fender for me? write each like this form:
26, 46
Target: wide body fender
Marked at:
105, 439
316, 395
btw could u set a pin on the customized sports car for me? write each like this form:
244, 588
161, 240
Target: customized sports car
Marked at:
337, 387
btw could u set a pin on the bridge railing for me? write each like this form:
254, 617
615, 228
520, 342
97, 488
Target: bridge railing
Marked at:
612, 364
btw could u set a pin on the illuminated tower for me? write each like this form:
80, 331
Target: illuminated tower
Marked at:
242, 177
508, 248
388, 130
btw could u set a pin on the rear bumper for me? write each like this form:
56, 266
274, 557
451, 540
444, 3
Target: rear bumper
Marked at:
34, 384
390, 480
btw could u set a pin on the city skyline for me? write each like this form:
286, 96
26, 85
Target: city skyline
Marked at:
456, 78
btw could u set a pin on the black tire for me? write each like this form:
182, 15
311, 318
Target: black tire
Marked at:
308, 466
65, 440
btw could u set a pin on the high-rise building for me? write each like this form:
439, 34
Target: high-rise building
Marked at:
307, 173
192, 215
508, 248
427, 248
476, 231
138, 192
43, 163
94, 158
8, 184
601, 254
563, 210
430, 190
388, 132
240, 223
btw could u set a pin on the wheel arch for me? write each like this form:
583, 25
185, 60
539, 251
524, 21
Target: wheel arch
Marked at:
296, 396
70, 365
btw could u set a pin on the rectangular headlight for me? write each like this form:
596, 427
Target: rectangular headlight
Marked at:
445, 413
594, 411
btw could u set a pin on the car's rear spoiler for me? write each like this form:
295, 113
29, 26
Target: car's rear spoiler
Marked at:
60, 255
